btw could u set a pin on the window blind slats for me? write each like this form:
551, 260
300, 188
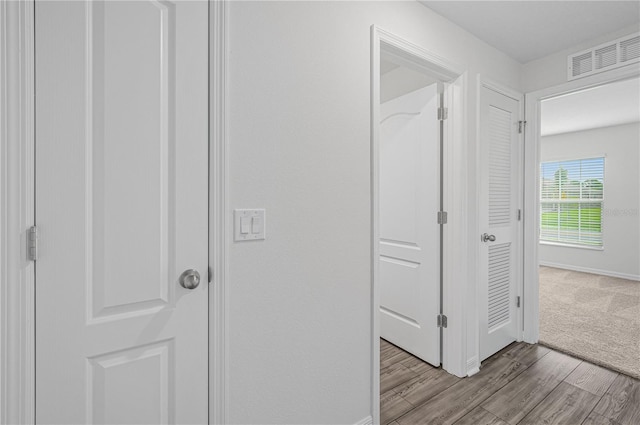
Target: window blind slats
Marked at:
571, 201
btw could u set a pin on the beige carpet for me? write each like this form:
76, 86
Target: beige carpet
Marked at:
593, 317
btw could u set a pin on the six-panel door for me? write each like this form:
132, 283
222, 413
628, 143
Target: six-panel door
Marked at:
121, 195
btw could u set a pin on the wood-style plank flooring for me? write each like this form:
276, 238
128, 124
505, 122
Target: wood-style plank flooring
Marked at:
522, 384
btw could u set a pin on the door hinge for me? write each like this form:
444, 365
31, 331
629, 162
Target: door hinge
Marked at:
442, 321
518, 301
32, 243
442, 217
210, 274
519, 215
521, 126
443, 113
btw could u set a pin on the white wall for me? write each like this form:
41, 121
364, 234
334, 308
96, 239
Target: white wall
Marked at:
401, 81
621, 216
551, 70
299, 134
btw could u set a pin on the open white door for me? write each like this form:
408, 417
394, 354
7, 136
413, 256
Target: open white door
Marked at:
499, 220
409, 230
121, 195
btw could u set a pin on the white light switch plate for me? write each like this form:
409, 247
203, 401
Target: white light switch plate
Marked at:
248, 225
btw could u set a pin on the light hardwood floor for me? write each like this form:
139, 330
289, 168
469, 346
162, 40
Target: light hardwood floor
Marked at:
522, 384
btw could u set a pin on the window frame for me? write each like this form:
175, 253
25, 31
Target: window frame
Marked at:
581, 200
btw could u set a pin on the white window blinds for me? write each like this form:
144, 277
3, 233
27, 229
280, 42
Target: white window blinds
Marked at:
571, 201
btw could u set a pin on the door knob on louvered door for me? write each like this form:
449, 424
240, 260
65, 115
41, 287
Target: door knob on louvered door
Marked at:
190, 279
488, 238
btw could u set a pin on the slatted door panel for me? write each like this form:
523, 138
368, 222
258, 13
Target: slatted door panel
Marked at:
500, 275
499, 194
500, 168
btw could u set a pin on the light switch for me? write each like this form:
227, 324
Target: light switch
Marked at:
249, 225
256, 225
244, 225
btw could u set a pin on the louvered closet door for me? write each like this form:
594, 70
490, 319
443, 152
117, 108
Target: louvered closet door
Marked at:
499, 197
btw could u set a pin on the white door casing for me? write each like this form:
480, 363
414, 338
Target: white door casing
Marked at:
532, 184
499, 196
121, 206
409, 231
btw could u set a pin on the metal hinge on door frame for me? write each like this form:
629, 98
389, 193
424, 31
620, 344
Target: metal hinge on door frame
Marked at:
521, 126
32, 243
442, 217
443, 113
442, 321
518, 301
519, 215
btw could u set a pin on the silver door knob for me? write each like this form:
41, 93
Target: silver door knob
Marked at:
487, 237
190, 279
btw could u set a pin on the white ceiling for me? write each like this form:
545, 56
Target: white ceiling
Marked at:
604, 106
528, 30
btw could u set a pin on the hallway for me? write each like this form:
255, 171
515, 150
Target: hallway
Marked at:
522, 384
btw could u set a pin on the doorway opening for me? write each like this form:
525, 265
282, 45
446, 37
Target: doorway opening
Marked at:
589, 240
410, 192
417, 105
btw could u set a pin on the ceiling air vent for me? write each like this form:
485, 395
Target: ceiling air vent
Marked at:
581, 64
611, 55
630, 49
605, 56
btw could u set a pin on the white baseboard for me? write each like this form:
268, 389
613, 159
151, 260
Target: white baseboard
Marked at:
590, 270
473, 366
366, 421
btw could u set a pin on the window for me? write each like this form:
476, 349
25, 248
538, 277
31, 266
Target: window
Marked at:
571, 201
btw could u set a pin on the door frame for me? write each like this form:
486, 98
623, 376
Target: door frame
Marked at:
17, 195
532, 178
454, 191
219, 215
17, 213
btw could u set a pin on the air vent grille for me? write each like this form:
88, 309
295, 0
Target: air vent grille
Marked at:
606, 56
582, 64
630, 49
611, 55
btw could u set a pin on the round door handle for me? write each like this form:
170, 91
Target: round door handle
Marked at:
488, 238
190, 279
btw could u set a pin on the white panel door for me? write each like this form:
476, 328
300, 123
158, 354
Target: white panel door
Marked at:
499, 199
409, 231
121, 194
